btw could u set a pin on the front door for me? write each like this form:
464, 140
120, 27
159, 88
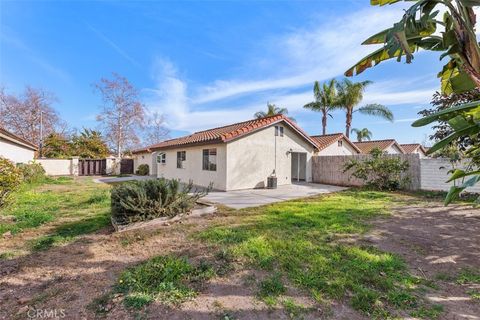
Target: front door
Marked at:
299, 166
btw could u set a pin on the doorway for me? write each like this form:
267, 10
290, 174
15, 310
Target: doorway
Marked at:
299, 166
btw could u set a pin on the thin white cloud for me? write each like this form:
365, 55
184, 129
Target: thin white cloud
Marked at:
113, 45
307, 55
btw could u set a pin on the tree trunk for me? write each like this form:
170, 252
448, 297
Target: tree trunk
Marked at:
348, 122
324, 123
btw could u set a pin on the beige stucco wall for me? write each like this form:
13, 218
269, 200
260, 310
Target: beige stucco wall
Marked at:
142, 158
251, 159
193, 167
334, 150
15, 153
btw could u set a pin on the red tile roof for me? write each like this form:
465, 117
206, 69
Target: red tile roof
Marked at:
367, 146
7, 135
326, 140
412, 147
226, 134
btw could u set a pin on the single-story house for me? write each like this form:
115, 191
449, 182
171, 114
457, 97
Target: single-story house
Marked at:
237, 156
389, 146
15, 148
415, 148
335, 144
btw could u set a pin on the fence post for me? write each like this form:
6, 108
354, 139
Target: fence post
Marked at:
74, 166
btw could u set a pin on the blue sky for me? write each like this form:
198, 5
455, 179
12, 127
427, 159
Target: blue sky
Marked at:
210, 63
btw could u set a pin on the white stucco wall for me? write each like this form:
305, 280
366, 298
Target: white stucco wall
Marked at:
393, 149
142, 158
434, 174
57, 167
334, 150
251, 159
193, 166
15, 153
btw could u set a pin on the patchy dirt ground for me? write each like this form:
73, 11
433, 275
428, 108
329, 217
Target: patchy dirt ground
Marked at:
436, 242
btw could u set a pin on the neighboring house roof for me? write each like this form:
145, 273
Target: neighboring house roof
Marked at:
413, 147
226, 134
367, 146
7, 135
326, 140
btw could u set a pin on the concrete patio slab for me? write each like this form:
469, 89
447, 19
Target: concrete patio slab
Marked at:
257, 197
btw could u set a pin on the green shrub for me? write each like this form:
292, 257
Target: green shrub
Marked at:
143, 170
31, 172
10, 180
145, 200
380, 171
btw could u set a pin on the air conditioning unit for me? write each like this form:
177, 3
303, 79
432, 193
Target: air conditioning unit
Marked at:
272, 182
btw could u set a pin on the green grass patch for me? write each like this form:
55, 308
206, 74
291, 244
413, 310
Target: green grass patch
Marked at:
468, 276
167, 279
271, 288
52, 198
303, 241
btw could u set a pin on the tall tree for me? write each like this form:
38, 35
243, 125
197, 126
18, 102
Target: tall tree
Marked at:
89, 144
455, 36
30, 115
362, 134
155, 131
122, 112
325, 101
271, 111
350, 95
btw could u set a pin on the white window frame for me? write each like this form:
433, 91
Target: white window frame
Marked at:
279, 131
210, 165
180, 162
162, 158
340, 143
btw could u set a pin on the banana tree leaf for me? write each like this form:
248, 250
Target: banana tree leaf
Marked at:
470, 3
453, 193
382, 54
417, 29
442, 143
457, 174
458, 123
382, 2
462, 83
434, 117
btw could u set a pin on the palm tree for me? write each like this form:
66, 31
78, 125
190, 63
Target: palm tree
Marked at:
271, 111
325, 101
350, 94
362, 134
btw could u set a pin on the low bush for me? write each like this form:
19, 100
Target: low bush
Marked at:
10, 180
145, 200
143, 170
31, 172
380, 171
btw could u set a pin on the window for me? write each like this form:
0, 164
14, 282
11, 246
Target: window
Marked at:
162, 158
278, 131
340, 143
181, 158
209, 159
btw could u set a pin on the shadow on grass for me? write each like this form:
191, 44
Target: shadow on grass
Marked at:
69, 231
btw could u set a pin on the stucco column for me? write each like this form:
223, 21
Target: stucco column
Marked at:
74, 166
112, 165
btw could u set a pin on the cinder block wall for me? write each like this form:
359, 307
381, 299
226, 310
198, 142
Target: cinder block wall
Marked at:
425, 174
434, 174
